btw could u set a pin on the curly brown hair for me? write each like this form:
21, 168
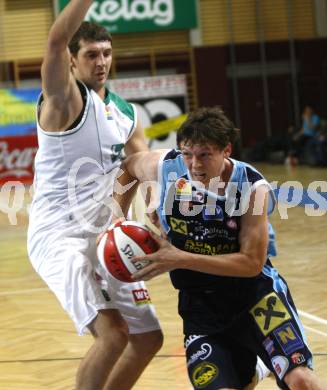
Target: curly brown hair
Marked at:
207, 125
88, 31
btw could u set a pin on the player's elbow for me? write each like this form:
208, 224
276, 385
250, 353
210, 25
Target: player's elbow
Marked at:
257, 263
57, 42
128, 166
253, 264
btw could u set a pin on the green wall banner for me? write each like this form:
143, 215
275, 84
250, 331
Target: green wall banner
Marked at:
123, 16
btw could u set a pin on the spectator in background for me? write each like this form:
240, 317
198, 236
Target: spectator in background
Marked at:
321, 144
305, 138
290, 147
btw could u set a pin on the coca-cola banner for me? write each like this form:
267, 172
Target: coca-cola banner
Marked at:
17, 158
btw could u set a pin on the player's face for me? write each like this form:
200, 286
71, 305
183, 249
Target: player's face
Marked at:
205, 162
92, 63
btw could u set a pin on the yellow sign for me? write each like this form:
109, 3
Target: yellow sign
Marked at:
269, 313
165, 127
178, 225
15, 111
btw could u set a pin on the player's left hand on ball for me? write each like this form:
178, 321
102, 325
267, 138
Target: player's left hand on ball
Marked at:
163, 260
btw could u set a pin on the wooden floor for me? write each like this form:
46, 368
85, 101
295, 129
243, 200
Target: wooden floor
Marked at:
39, 349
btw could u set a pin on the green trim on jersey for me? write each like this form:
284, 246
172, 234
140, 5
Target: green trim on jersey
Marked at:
125, 107
106, 99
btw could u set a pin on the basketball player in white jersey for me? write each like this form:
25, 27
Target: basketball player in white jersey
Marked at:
82, 128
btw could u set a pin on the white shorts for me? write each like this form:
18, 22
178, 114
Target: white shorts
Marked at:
72, 272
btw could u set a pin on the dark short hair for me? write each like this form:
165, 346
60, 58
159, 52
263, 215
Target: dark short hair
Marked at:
88, 31
207, 125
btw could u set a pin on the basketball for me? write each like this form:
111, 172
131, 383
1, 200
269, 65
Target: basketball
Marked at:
119, 244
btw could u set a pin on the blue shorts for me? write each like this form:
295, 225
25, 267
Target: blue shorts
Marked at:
227, 358
214, 362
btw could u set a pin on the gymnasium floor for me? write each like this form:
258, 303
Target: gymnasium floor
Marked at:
39, 348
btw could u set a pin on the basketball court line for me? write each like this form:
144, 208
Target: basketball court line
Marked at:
312, 317
20, 292
315, 331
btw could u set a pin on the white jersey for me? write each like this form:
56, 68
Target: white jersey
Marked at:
74, 175
75, 171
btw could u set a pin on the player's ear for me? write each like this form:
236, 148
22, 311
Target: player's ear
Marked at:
228, 150
72, 62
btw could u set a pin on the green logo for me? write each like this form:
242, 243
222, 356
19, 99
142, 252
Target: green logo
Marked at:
121, 16
116, 152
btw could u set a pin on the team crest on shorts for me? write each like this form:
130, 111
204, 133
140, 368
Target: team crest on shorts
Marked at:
269, 313
203, 374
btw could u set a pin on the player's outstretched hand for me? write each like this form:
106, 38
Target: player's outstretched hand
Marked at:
165, 259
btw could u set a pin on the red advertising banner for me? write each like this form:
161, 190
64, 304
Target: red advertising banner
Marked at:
17, 158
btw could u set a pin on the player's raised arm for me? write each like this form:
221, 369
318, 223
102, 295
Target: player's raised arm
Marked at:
58, 83
137, 141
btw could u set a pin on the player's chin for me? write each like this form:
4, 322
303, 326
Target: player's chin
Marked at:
202, 178
98, 83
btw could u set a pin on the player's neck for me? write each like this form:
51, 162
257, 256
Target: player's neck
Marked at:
227, 172
103, 92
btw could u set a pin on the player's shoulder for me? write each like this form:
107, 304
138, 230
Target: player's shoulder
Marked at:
122, 105
247, 172
171, 154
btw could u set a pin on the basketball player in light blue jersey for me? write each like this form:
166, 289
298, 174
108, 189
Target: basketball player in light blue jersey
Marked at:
234, 304
82, 129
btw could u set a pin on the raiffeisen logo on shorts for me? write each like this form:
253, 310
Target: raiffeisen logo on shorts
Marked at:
161, 12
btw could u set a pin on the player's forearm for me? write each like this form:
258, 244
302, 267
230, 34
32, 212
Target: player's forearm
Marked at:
68, 22
124, 191
233, 264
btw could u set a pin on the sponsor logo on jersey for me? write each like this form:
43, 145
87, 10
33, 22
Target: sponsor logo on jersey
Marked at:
203, 374
231, 223
210, 232
183, 190
269, 345
288, 338
297, 358
204, 352
116, 152
141, 296
280, 364
204, 248
198, 196
108, 114
178, 225
269, 313
213, 213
